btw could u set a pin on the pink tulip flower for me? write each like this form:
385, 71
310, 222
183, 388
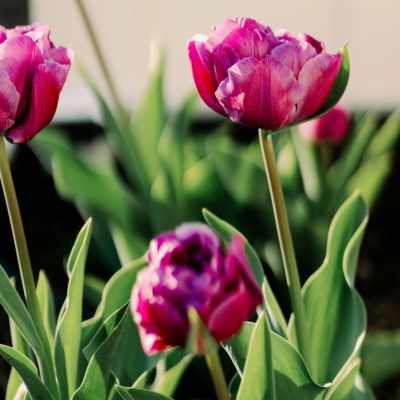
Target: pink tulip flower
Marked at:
189, 268
332, 127
32, 75
261, 78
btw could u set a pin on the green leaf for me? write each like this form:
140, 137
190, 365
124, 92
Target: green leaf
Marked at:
310, 166
17, 311
234, 384
386, 138
381, 357
28, 372
171, 146
292, 378
370, 177
151, 119
92, 188
227, 232
116, 293
258, 381
334, 310
18, 343
344, 382
68, 331
340, 83
47, 307
139, 394
96, 382
169, 381
344, 167
94, 287
239, 175
119, 134
119, 356
361, 391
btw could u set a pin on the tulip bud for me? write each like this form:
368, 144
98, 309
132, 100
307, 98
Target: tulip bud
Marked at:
260, 78
188, 268
32, 74
332, 127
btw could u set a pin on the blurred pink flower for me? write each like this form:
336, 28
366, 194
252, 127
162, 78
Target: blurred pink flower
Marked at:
259, 78
189, 268
32, 75
332, 127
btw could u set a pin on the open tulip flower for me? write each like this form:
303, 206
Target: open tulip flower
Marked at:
189, 268
32, 75
261, 78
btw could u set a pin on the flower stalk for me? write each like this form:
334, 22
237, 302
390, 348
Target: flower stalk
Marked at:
21, 247
217, 374
285, 240
46, 363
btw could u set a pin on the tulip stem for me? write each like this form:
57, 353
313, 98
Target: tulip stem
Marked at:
25, 267
285, 240
217, 374
100, 56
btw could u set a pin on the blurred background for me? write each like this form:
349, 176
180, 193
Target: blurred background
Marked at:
127, 29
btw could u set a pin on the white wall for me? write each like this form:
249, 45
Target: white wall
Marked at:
126, 27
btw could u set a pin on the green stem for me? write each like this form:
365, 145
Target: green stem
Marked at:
217, 374
25, 267
100, 56
285, 240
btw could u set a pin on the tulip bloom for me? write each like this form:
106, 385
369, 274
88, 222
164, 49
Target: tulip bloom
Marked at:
32, 75
189, 268
259, 78
332, 127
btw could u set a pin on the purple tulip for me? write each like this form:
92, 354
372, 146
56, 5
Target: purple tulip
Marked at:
32, 74
189, 268
332, 127
259, 78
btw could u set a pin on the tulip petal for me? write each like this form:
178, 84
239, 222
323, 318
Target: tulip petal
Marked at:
3, 34
316, 79
260, 93
203, 72
46, 87
236, 256
244, 37
293, 55
223, 322
9, 99
19, 56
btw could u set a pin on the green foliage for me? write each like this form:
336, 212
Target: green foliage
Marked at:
258, 381
338, 335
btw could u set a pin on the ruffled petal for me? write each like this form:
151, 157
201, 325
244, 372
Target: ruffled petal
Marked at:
316, 79
260, 93
46, 87
293, 55
203, 72
318, 45
9, 99
245, 37
19, 57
